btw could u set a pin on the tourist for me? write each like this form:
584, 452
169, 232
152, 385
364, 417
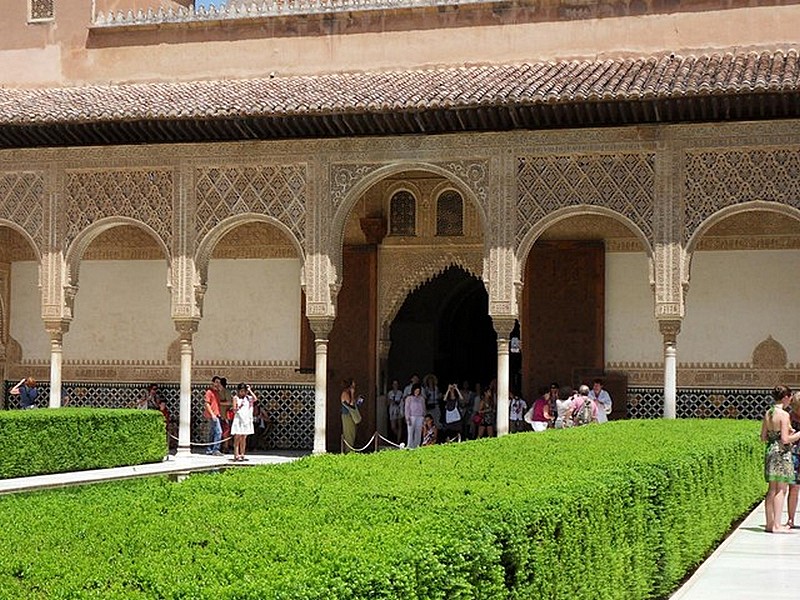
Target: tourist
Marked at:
778, 464
794, 486
583, 410
351, 416
539, 415
242, 425
150, 398
553, 395
452, 411
516, 413
603, 400
27, 392
169, 426
212, 415
429, 431
394, 398
564, 408
488, 412
415, 411
225, 414
475, 417
433, 397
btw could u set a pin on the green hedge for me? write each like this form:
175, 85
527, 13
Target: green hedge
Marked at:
615, 511
36, 442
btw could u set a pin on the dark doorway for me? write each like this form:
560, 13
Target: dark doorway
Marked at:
444, 328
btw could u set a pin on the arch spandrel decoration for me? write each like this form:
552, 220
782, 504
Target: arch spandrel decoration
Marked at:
21, 200
279, 191
142, 195
623, 182
719, 178
409, 269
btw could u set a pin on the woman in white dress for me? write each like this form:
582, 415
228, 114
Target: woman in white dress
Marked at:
242, 420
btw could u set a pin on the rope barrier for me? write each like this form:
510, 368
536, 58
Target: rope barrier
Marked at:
230, 437
377, 437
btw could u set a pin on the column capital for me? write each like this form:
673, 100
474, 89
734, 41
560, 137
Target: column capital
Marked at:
56, 328
321, 326
669, 328
503, 325
186, 328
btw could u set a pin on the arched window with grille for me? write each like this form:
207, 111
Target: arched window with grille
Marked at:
449, 213
403, 214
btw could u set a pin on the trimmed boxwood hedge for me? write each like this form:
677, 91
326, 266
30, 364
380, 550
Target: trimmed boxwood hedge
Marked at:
622, 510
41, 441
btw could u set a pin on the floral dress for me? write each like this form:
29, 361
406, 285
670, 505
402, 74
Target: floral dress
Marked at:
778, 462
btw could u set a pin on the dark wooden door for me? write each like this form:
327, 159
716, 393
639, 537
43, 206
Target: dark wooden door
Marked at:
562, 312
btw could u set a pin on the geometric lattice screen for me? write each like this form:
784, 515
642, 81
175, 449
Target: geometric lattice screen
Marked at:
648, 403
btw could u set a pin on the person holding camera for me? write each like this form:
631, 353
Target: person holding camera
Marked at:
452, 412
27, 392
242, 425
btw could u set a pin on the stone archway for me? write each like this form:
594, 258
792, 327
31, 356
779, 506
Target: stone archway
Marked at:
587, 304
444, 328
743, 258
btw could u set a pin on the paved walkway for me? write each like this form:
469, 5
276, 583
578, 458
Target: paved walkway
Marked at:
175, 465
748, 565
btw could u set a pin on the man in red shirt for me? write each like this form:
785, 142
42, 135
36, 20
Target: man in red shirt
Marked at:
211, 413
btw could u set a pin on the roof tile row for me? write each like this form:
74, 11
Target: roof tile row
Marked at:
623, 79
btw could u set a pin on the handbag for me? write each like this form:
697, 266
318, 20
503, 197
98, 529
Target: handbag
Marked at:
477, 418
452, 416
355, 414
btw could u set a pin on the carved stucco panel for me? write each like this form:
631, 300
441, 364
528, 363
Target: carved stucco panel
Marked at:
141, 194
474, 173
623, 182
21, 202
404, 270
277, 190
718, 178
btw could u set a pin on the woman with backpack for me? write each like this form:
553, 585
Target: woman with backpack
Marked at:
584, 409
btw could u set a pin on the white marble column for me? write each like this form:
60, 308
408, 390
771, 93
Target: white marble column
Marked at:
56, 331
56, 356
670, 330
503, 326
321, 328
186, 329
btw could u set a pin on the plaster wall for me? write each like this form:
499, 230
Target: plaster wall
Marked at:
631, 328
25, 311
122, 312
67, 52
251, 311
735, 300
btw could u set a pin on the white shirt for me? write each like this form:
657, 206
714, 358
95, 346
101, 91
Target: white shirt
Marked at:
603, 401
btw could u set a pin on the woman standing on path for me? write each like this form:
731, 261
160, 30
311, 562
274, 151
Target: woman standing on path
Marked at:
778, 464
351, 417
415, 412
242, 425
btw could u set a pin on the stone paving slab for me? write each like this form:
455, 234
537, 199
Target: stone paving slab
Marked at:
749, 565
171, 465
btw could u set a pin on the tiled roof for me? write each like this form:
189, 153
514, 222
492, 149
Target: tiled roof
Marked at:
508, 96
